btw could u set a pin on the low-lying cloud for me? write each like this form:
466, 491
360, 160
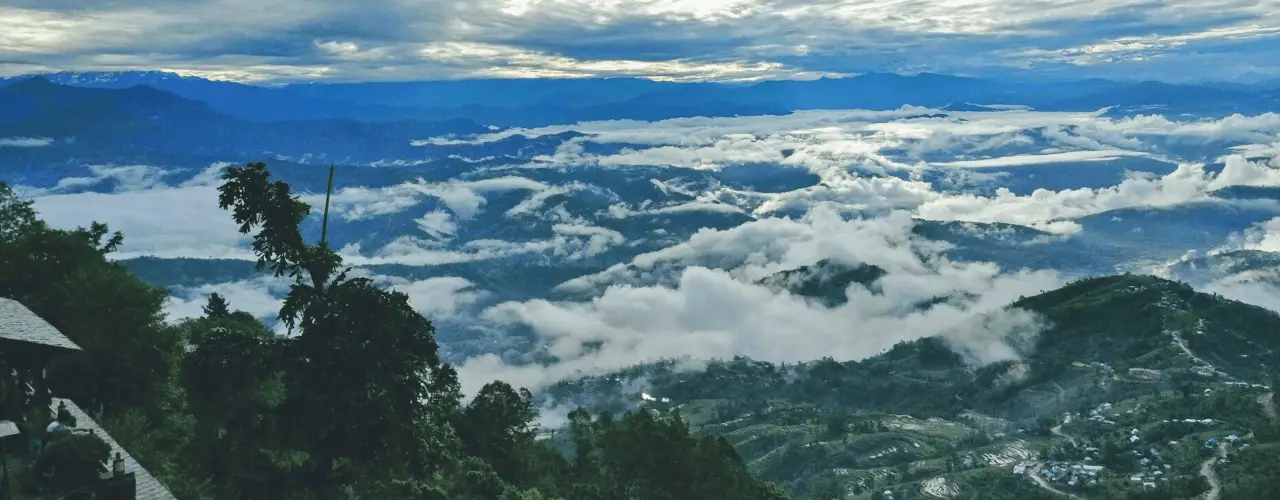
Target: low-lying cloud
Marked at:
24, 142
697, 297
712, 312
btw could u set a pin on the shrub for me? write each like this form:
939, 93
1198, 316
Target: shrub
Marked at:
72, 462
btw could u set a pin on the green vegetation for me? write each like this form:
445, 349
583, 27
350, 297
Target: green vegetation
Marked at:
1251, 472
919, 422
354, 404
71, 462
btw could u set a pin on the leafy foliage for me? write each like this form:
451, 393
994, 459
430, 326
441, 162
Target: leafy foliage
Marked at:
72, 461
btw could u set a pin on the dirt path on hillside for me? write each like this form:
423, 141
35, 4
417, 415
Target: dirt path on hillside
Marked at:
1268, 404
1186, 349
1057, 429
1210, 475
1062, 393
916, 380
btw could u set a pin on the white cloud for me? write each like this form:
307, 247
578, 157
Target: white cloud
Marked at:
464, 198
836, 146
714, 313
828, 143
438, 224
261, 297
24, 142
163, 222
126, 178
568, 241
436, 297
1041, 159
1140, 48
1264, 236
661, 39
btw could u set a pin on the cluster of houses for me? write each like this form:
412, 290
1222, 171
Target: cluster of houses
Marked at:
28, 344
1104, 371
1066, 473
1151, 466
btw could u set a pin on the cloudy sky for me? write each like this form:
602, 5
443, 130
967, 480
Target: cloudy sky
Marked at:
380, 40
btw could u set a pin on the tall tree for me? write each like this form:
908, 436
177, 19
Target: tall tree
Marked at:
360, 366
497, 426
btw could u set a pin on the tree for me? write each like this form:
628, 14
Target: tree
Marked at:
232, 375
358, 369
216, 307
836, 422
64, 277
497, 425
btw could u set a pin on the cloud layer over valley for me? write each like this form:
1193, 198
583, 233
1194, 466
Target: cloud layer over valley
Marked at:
620, 242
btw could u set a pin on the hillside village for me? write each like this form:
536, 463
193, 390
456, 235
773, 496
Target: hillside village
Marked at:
1163, 424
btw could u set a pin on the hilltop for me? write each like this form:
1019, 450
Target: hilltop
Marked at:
825, 280
1119, 354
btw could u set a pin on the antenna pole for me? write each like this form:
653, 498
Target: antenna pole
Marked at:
324, 224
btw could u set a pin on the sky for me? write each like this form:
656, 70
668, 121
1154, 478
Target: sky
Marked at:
276, 41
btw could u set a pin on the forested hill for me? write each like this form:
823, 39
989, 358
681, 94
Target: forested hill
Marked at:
356, 405
1119, 353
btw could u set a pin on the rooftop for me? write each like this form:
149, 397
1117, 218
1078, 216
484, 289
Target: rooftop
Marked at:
148, 487
19, 323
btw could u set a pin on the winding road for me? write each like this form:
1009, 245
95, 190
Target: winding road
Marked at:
1210, 475
1042, 483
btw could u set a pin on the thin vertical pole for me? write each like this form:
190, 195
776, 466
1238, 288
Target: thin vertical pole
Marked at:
324, 225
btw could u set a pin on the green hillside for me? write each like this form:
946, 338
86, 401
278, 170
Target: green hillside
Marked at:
1122, 354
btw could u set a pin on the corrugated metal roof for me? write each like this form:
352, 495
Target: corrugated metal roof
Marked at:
19, 323
8, 428
149, 488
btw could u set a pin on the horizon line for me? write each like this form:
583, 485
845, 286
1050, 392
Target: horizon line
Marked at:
1034, 78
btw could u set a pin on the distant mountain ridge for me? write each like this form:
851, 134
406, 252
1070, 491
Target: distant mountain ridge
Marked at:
122, 123
534, 102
